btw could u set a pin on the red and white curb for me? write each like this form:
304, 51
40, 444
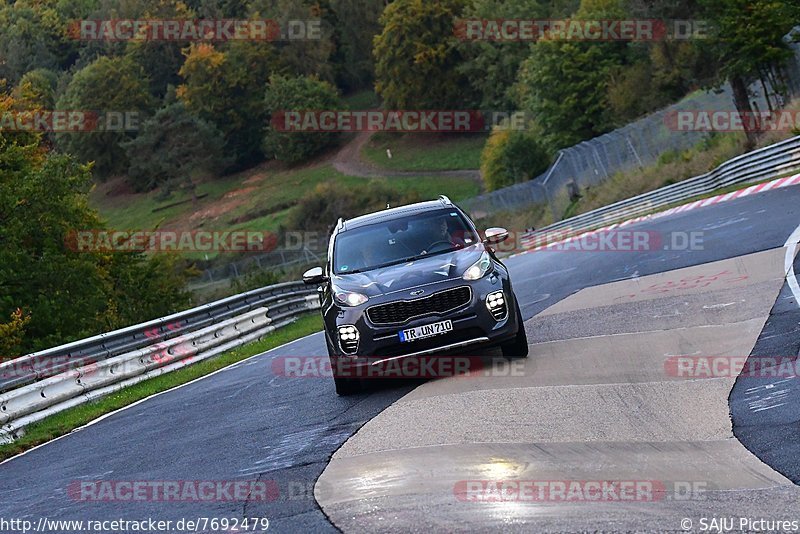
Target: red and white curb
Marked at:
528, 240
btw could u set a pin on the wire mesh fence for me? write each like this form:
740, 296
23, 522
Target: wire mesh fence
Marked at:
589, 163
275, 260
632, 146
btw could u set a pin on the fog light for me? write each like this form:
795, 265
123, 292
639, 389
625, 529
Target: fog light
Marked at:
496, 302
348, 338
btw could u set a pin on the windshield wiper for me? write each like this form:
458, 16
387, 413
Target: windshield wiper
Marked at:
402, 260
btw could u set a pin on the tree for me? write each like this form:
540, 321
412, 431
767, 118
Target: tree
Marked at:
107, 85
564, 86
34, 36
677, 66
417, 56
12, 334
160, 60
564, 83
50, 292
491, 66
357, 23
656, 75
297, 94
512, 156
226, 88
747, 40
174, 148
220, 9
303, 55
36, 90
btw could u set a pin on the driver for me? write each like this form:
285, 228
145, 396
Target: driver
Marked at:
442, 231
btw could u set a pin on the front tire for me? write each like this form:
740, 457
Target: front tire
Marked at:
344, 386
518, 347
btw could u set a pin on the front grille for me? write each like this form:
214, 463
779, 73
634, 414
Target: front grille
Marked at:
404, 310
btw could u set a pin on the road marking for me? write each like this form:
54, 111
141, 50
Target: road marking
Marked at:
95, 421
716, 306
788, 263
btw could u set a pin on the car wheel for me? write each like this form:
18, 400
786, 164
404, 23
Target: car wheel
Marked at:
344, 386
518, 347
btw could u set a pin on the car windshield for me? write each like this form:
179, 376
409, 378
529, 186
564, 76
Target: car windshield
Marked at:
399, 240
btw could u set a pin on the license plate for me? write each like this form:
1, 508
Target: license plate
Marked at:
426, 330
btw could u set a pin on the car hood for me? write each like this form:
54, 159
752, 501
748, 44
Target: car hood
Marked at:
412, 274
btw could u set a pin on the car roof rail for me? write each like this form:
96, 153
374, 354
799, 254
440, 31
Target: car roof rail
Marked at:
444, 200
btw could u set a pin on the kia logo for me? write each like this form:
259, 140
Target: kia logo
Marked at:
417, 292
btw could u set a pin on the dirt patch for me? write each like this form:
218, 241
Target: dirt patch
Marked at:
239, 192
255, 214
256, 178
348, 159
217, 210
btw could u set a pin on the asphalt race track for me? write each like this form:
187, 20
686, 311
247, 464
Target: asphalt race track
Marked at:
598, 399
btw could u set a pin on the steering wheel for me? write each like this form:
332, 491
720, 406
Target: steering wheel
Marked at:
447, 244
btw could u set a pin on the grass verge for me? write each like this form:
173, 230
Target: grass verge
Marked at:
259, 199
425, 152
68, 420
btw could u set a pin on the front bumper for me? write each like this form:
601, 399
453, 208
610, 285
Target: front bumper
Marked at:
474, 327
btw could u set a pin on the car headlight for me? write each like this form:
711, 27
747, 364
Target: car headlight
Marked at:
479, 268
349, 298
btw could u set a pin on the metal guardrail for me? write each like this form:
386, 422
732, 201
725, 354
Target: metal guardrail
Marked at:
43, 383
768, 162
40, 365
